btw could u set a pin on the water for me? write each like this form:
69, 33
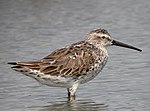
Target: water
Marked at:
30, 29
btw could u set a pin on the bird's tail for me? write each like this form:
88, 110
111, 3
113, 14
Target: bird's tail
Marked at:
24, 66
18, 67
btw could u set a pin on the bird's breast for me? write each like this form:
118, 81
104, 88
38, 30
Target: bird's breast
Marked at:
94, 71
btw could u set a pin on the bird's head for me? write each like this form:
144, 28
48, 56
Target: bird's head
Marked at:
101, 38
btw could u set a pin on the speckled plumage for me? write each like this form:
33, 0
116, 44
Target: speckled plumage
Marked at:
70, 66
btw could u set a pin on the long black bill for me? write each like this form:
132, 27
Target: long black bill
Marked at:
117, 43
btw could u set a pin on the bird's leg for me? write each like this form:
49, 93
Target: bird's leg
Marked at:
72, 91
68, 89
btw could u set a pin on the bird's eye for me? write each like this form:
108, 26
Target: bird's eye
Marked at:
103, 37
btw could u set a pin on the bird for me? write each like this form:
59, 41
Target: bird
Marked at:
74, 64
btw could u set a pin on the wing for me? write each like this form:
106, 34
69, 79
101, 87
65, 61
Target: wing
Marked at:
71, 61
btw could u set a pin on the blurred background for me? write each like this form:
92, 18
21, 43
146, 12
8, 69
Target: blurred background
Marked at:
31, 29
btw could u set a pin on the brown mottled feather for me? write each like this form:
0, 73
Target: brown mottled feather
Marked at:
73, 60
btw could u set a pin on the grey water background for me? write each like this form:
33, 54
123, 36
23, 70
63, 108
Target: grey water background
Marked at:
30, 29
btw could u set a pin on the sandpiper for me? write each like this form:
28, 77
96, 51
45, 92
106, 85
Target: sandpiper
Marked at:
73, 65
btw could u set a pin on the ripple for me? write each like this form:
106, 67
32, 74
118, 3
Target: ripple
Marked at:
75, 105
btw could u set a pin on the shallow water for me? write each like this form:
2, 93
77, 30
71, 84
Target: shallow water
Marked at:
30, 29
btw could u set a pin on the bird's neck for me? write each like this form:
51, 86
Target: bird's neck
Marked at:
98, 46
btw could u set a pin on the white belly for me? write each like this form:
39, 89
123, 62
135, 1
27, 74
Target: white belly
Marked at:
54, 81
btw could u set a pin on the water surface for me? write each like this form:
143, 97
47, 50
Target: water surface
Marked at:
30, 29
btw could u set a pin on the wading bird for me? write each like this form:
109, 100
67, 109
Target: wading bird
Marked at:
73, 65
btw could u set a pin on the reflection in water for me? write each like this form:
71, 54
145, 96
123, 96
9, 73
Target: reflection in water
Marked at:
75, 105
